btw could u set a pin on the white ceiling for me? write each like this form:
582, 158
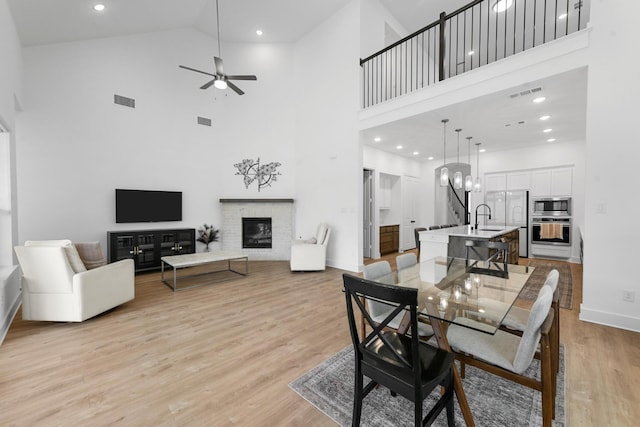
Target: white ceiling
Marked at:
283, 21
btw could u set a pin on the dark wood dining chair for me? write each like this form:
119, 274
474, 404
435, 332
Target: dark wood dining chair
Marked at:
416, 234
402, 363
508, 355
406, 260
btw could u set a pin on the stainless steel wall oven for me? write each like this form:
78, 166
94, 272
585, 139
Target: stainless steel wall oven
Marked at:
551, 231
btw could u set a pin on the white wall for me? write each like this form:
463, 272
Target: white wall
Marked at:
382, 162
612, 153
328, 156
76, 146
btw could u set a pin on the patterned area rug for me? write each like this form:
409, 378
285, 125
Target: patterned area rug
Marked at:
494, 402
535, 282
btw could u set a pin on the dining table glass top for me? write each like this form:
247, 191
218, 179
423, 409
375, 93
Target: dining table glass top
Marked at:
474, 294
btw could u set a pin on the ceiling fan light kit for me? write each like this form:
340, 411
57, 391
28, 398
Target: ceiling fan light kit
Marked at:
220, 79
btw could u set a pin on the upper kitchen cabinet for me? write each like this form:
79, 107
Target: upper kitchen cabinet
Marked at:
551, 182
495, 182
507, 181
519, 180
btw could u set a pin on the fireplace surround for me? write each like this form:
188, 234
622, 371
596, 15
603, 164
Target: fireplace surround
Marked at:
282, 214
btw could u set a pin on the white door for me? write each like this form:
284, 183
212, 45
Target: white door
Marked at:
411, 211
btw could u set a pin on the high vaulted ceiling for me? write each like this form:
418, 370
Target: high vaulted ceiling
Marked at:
499, 121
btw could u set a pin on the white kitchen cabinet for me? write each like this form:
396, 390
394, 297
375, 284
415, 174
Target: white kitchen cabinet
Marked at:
551, 182
561, 182
495, 182
518, 180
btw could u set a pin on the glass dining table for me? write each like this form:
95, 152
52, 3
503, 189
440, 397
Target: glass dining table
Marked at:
473, 294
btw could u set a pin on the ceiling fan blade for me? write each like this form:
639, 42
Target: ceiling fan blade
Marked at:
208, 84
219, 68
197, 71
235, 88
242, 78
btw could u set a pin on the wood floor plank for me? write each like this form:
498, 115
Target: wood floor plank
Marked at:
223, 354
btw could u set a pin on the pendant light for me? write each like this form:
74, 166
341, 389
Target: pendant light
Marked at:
444, 172
457, 176
478, 187
468, 180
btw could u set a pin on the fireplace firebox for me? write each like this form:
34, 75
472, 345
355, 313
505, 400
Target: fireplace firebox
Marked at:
256, 233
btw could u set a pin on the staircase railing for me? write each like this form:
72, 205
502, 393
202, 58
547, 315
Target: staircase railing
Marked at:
472, 36
460, 208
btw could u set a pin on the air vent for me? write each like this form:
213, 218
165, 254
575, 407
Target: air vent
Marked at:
204, 121
525, 92
123, 100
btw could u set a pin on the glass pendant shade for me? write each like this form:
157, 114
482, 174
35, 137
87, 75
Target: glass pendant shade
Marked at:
468, 180
457, 179
444, 172
457, 176
444, 176
468, 183
478, 185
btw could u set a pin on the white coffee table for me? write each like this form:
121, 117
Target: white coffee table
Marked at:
197, 259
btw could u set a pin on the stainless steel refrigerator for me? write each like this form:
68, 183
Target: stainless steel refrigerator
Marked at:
511, 208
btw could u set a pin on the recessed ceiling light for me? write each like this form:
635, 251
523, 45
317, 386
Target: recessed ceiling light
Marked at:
545, 117
551, 139
398, 147
563, 16
259, 32
482, 150
377, 139
430, 158
547, 130
502, 5
539, 99
98, 7
415, 153
471, 52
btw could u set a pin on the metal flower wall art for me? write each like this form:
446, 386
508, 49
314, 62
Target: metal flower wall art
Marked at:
252, 171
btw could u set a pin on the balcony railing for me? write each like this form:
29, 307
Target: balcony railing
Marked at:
470, 37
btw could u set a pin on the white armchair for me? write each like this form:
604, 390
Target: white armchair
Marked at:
56, 286
311, 255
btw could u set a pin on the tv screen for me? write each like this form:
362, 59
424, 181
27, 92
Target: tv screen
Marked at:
148, 206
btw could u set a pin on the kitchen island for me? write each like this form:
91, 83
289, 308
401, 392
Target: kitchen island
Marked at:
450, 242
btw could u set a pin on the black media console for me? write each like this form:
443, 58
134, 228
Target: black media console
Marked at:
147, 247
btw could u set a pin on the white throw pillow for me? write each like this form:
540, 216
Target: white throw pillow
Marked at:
72, 253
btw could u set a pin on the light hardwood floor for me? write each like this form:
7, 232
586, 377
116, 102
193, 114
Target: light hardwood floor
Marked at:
224, 354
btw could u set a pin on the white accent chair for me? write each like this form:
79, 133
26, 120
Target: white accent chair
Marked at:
57, 287
311, 255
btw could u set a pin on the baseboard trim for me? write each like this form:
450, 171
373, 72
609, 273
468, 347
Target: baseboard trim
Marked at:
609, 319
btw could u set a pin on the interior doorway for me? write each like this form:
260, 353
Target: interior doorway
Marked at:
368, 212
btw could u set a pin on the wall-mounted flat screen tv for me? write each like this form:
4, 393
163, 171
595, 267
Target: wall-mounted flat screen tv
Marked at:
148, 206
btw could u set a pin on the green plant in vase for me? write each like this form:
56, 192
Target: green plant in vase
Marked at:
207, 234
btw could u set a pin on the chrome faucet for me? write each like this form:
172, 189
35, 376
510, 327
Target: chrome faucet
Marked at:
484, 214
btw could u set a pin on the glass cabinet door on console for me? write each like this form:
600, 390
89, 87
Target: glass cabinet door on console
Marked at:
147, 247
176, 242
137, 247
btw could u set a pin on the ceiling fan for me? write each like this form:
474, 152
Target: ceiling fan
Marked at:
220, 79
